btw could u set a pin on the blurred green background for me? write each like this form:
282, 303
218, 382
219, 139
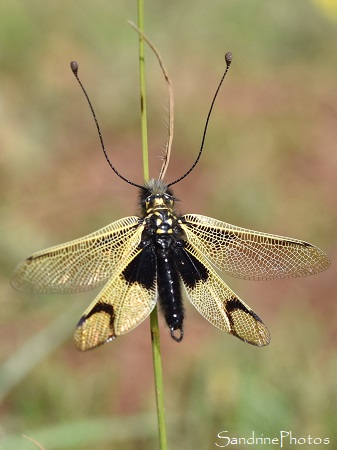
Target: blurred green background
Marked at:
270, 164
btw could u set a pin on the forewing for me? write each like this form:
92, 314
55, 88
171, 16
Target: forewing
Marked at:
251, 254
126, 300
217, 302
81, 264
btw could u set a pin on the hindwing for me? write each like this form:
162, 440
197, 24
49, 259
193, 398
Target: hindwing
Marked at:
128, 298
79, 265
216, 302
251, 254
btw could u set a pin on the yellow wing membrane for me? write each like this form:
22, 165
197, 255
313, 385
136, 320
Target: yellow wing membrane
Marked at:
217, 303
79, 265
119, 307
251, 254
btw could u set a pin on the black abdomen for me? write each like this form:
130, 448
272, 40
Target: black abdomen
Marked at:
169, 287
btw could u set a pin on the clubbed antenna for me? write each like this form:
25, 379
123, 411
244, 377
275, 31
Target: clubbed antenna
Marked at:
74, 68
228, 59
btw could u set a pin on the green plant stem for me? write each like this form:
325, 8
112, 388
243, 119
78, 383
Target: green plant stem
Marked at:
143, 107
158, 378
155, 337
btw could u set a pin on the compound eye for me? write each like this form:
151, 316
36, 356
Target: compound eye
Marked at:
168, 199
148, 202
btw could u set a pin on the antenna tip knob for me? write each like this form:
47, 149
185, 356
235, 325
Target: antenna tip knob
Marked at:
74, 67
228, 58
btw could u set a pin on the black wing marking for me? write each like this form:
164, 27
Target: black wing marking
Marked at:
216, 302
127, 299
251, 254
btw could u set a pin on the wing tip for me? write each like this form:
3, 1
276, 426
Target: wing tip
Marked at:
258, 336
